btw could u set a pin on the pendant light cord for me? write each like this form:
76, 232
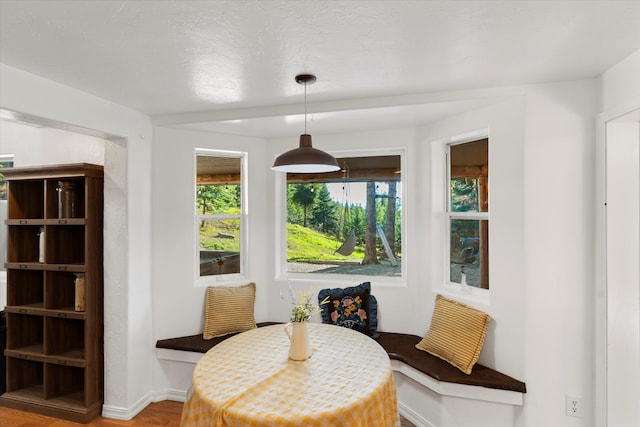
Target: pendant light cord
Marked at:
305, 107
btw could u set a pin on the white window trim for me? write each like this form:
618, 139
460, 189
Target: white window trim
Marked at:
281, 272
456, 290
203, 281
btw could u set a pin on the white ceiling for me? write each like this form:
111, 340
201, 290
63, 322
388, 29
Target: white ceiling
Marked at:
229, 66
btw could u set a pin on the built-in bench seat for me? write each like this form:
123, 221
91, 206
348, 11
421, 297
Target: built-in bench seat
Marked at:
197, 343
401, 348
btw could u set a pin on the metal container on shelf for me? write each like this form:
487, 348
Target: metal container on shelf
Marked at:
66, 199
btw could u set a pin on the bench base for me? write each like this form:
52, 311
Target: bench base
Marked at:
426, 408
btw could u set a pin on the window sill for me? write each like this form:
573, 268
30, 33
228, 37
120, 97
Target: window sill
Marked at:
340, 279
466, 294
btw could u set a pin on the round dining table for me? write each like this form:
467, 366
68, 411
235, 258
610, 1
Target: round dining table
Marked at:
248, 380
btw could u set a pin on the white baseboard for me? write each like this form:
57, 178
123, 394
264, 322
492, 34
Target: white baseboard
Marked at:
118, 413
169, 394
413, 416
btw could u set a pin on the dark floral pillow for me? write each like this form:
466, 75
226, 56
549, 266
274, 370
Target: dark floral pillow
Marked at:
354, 308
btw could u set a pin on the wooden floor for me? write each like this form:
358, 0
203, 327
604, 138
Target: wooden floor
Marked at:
165, 414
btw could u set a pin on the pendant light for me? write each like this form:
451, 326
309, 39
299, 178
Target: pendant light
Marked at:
305, 158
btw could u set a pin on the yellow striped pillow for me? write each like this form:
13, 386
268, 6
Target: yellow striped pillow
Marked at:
229, 309
456, 333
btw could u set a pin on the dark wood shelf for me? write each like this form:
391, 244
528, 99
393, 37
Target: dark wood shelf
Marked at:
55, 353
65, 221
25, 221
35, 310
42, 221
35, 350
72, 267
73, 358
33, 394
32, 309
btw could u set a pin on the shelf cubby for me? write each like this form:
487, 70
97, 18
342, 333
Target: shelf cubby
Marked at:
52, 209
25, 288
61, 292
23, 243
64, 383
26, 199
64, 244
64, 337
27, 377
25, 332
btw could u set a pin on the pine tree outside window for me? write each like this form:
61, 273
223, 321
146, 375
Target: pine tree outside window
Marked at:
219, 213
468, 213
347, 222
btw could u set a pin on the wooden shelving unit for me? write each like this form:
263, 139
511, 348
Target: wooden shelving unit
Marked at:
54, 351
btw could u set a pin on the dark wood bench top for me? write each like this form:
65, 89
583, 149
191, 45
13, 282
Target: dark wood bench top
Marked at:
402, 347
399, 347
196, 343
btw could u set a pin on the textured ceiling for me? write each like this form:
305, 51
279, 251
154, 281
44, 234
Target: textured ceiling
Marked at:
199, 63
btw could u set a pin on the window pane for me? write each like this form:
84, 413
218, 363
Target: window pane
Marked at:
219, 247
469, 184
219, 211
464, 195
346, 222
469, 252
218, 185
218, 199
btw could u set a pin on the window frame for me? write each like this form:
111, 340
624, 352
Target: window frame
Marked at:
282, 273
456, 288
242, 217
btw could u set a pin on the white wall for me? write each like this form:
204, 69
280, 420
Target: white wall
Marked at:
623, 272
559, 224
617, 306
541, 222
127, 252
620, 88
505, 120
505, 302
178, 301
32, 146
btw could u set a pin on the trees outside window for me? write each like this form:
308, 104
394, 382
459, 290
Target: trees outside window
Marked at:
219, 211
468, 213
349, 221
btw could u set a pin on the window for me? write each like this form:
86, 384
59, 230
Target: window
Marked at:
346, 222
219, 211
468, 213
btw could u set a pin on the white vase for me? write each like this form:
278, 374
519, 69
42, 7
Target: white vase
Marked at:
300, 349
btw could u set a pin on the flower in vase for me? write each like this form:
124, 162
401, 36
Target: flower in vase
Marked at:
303, 306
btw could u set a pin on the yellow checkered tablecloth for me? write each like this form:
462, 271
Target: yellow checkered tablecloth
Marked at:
249, 380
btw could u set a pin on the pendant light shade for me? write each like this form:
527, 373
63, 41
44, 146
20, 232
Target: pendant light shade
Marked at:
305, 158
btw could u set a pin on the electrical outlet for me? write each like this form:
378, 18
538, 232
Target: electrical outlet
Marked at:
573, 406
